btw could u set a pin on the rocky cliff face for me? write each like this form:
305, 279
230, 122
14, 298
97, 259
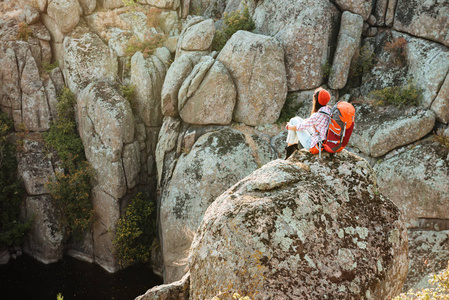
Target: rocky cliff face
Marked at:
200, 120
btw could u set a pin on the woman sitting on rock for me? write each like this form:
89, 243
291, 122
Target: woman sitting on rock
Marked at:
310, 131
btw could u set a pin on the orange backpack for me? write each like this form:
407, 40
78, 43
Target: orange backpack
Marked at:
341, 125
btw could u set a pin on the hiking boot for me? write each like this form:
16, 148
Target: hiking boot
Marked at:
290, 149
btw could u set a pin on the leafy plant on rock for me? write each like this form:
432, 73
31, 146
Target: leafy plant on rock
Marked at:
400, 96
48, 67
136, 232
441, 138
70, 188
128, 92
147, 46
24, 32
12, 231
363, 62
233, 22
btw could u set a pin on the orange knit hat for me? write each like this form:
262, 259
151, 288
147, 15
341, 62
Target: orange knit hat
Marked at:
323, 97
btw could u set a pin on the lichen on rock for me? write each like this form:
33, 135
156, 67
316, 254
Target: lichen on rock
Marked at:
302, 228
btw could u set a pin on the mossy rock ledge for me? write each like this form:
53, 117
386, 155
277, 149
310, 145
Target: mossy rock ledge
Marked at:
302, 228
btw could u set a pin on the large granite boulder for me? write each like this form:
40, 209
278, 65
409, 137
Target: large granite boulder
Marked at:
305, 227
87, 59
379, 130
176, 74
348, 42
256, 64
196, 36
426, 19
208, 94
147, 75
416, 180
216, 161
306, 29
66, 13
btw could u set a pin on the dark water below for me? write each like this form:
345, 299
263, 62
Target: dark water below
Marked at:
26, 278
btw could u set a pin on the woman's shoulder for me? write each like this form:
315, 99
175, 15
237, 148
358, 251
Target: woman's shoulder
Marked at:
326, 109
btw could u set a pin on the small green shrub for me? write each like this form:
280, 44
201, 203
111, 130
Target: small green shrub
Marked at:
363, 62
62, 136
50, 67
326, 69
136, 232
24, 32
128, 93
400, 96
439, 292
289, 110
151, 43
12, 231
233, 22
441, 138
129, 3
70, 189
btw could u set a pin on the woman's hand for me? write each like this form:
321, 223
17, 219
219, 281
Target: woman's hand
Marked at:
290, 127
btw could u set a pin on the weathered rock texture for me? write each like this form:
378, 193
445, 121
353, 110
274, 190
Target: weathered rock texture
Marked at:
305, 29
256, 63
428, 253
302, 228
176, 74
416, 180
28, 96
147, 75
176, 290
360, 7
208, 94
196, 36
427, 19
107, 129
381, 129
441, 103
348, 42
44, 241
208, 167
66, 13
87, 59
23, 94
426, 66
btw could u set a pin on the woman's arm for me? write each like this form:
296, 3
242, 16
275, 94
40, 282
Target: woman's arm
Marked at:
310, 122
